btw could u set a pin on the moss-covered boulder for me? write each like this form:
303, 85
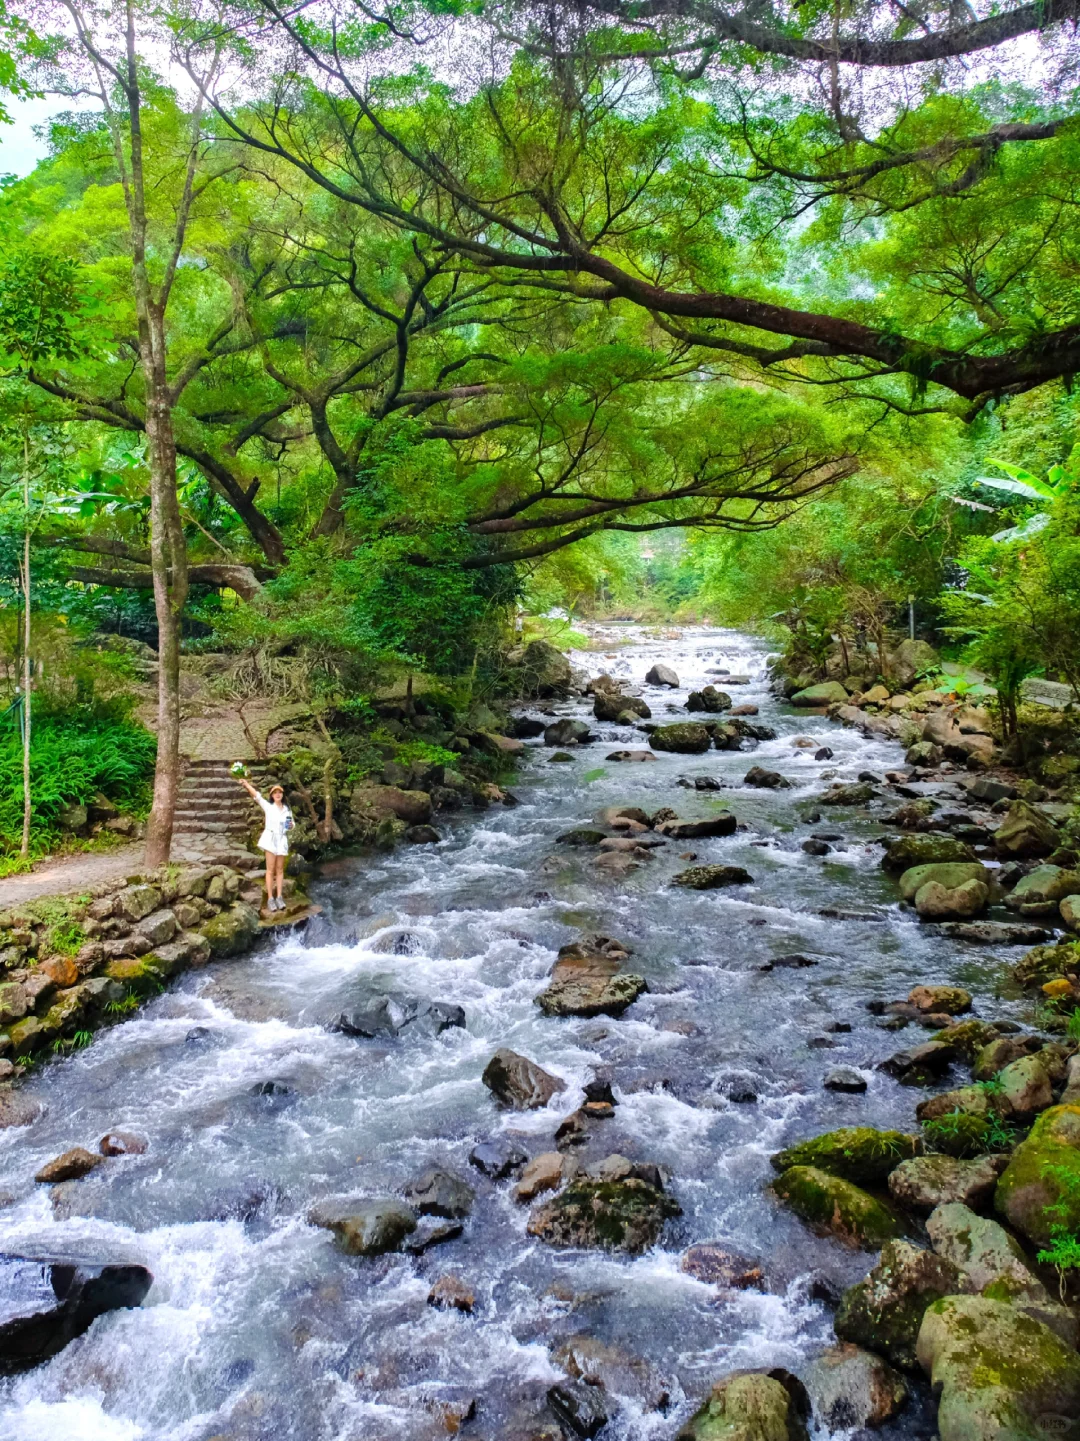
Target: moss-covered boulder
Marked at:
926, 1182
949, 874
685, 737
969, 1037
837, 1207
749, 1406
884, 1311
711, 878
855, 794
935, 902
141, 975
924, 850
1039, 1192
1025, 832
232, 932
611, 1215
1046, 963
856, 1153
1000, 1374
1042, 890
829, 692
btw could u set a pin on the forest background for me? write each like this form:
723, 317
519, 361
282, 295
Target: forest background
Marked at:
333, 339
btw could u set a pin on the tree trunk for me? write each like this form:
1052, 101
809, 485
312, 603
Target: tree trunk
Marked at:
28, 668
168, 561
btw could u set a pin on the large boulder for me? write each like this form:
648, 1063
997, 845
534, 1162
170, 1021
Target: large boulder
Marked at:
1047, 963
232, 932
723, 824
1000, 1374
1025, 1086
709, 699
837, 1207
391, 1015
857, 1153
926, 1182
614, 706
612, 1207
1025, 832
749, 1406
567, 732
924, 850
544, 670
948, 874
365, 1227
911, 659
852, 1387
711, 878
589, 983
1039, 1193
375, 803
609, 1368
685, 738
829, 692
855, 794
935, 902
520, 1083
661, 674
1042, 890
884, 1311
46, 1303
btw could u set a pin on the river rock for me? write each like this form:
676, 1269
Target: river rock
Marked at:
924, 753
924, 850
999, 933
920, 1065
845, 1081
1042, 890
1047, 963
884, 1311
1025, 832
837, 1207
857, 1153
545, 1172
440, 1193
584, 1358
567, 732
718, 1265
396, 1015
949, 874
497, 1159
1024, 1087
1000, 1374
625, 1214
580, 836
661, 674
723, 824
544, 669
123, 1143
710, 878
711, 700
47, 1303
856, 794
365, 1227
941, 1000
829, 692
233, 931
580, 1409
1040, 1188
136, 901
17, 1110
926, 1182
852, 1387
450, 1293
589, 984
765, 780
613, 706
933, 902
518, 1082
686, 738
158, 927
71, 1166
748, 1406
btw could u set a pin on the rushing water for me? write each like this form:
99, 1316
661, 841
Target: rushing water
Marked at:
257, 1326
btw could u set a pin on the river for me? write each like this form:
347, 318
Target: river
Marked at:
257, 1326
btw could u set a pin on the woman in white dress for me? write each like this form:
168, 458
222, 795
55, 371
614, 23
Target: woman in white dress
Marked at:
274, 841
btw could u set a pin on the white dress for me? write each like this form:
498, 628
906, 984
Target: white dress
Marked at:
275, 838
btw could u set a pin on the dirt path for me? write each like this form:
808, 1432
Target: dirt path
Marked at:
60, 875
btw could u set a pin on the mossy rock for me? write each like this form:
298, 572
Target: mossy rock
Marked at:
232, 932
969, 1037
1039, 1191
856, 1153
626, 1215
949, 874
1046, 963
749, 1406
685, 737
1001, 1374
829, 692
837, 1207
925, 850
142, 975
884, 1311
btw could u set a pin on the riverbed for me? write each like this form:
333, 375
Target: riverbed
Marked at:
258, 1326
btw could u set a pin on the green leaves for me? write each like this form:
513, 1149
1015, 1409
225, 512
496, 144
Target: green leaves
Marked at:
39, 303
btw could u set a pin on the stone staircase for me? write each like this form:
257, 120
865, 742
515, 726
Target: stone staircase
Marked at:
214, 816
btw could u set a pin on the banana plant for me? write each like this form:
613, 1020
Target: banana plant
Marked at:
1023, 483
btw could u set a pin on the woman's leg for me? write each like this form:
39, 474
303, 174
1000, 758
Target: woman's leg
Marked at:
270, 859
279, 875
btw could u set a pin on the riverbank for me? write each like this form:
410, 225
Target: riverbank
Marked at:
294, 1109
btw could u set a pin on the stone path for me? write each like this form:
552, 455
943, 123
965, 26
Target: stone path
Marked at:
59, 875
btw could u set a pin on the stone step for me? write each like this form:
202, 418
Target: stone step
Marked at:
188, 826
